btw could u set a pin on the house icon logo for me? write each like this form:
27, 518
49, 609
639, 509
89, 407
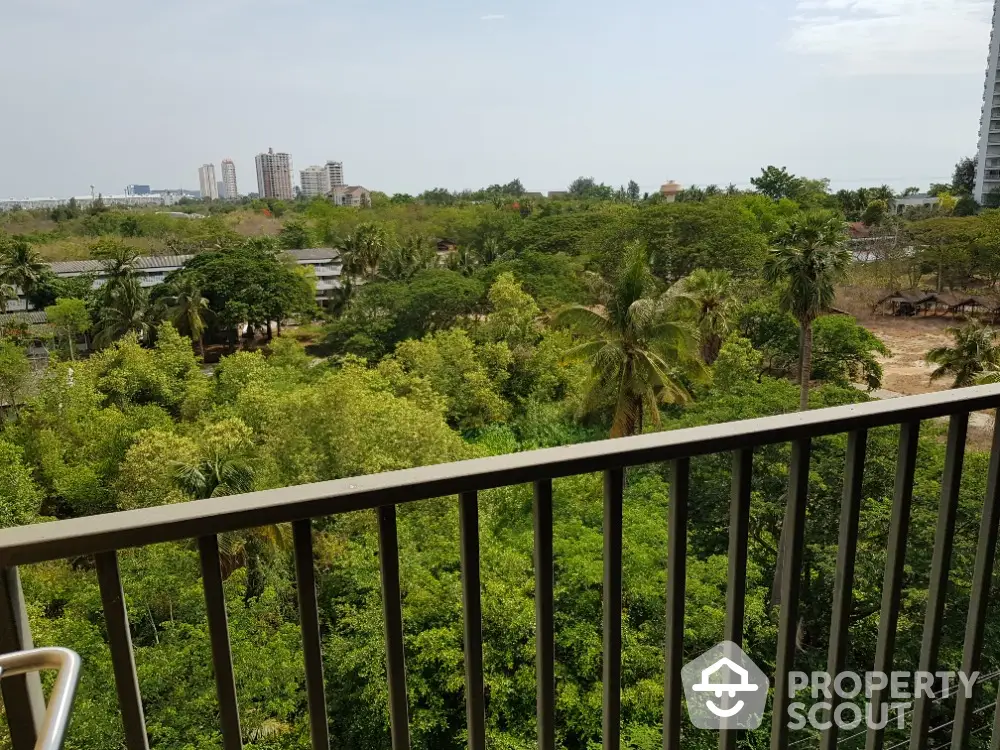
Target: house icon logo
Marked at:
725, 689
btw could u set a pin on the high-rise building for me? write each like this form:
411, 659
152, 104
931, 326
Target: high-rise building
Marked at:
335, 173
315, 181
274, 175
229, 180
988, 164
206, 182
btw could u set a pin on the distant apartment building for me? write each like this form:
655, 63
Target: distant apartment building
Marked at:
229, 180
335, 173
274, 175
988, 163
137, 190
206, 182
314, 181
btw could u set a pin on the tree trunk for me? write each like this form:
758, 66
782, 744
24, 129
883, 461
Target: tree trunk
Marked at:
278, 324
201, 346
805, 364
72, 346
270, 335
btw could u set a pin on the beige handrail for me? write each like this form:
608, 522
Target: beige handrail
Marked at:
60, 705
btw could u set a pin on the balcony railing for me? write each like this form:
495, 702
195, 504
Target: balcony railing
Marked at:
101, 536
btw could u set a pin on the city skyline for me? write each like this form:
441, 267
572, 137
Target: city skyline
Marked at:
852, 91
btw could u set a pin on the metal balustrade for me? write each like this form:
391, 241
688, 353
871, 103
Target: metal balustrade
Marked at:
203, 520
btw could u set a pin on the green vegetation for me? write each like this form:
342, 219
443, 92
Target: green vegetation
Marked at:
537, 323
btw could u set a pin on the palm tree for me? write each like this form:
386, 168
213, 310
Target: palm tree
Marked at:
22, 266
365, 249
808, 260
123, 311
221, 474
975, 357
636, 352
709, 297
403, 261
187, 310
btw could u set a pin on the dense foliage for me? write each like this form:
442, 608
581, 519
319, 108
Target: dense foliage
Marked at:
536, 323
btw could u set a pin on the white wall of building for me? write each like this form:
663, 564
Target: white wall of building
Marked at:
988, 163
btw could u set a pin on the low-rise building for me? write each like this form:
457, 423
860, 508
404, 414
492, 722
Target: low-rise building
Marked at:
917, 200
154, 269
351, 195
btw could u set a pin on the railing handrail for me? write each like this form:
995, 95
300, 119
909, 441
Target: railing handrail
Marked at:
200, 518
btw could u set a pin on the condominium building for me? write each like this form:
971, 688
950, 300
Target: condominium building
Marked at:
988, 163
229, 180
315, 181
206, 182
335, 173
274, 175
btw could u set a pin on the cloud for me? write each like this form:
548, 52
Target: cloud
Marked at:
493, 17
878, 37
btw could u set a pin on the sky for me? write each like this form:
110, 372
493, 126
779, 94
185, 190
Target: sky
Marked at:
462, 94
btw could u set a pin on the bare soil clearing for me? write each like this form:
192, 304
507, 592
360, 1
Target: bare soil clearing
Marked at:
907, 373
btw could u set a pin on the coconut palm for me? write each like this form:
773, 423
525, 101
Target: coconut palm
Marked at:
637, 353
123, 310
187, 310
974, 358
709, 298
22, 266
807, 261
364, 250
404, 260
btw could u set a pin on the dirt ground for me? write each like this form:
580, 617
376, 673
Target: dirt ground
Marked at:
909, 339
907, 373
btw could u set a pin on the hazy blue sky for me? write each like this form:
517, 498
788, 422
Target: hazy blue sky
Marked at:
412, 95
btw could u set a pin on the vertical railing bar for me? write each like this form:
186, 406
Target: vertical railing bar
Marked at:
739, 531
23, 700
472, 616
614, 490
122, 656
940, 562
312, 644
995, 739
680, 471
850, 511
895, 558
392, 608
218, 631
979, 595
544, 615
793, 532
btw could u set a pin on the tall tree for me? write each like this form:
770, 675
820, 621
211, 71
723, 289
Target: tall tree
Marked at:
776, 183
69, 316
22, 266
709, 298
188, 310
15, 375
633, 191
963, 181
638, 355
808, 260
974, 357
365, 249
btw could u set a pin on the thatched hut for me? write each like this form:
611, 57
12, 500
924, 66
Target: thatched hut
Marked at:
905, 302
